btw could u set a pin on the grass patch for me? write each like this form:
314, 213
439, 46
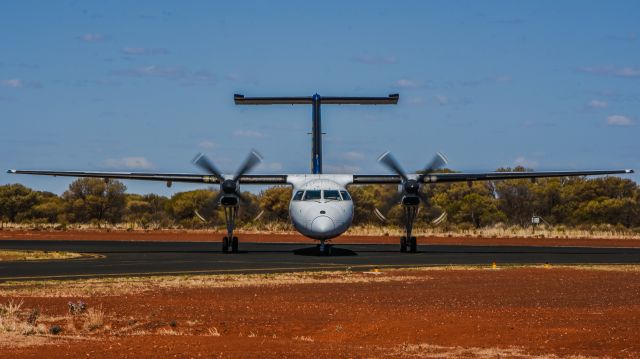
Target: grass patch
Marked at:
137, 285
16, 255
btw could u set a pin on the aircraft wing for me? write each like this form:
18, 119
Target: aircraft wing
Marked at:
162, 177
481, 176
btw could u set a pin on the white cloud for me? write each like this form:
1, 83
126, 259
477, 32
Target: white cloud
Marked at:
405, 83
273, 166
376, 60
416, 100
139, 163
442, 100
524, 162
144, 51
595, 104
503, 79
628, 72
248, 133
91, 37
353, 156
207, 145
341, 169
177, 73
612, 70
619, 120
15, 83
170, 72
18, 83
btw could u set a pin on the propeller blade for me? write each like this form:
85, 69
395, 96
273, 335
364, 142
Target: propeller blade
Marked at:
438, 161
203, 162
199, 216
442, 218
379, 214
390, 162
249, 163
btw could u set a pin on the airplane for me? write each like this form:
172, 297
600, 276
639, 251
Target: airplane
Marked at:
321, 207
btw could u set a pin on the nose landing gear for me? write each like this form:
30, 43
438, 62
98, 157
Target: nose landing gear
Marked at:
324, 249
230, 214
408, 242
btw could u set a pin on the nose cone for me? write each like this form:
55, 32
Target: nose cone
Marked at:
322, 224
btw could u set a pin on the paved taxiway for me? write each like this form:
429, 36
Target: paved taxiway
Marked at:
121, 258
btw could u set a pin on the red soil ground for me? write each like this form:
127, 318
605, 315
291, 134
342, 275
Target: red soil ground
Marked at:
203, 236
455, 313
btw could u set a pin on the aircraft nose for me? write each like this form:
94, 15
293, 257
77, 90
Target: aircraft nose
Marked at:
322, 224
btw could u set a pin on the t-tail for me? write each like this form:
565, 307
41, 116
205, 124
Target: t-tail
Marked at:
316, 101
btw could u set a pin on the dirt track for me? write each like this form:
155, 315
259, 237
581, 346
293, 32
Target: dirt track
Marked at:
457, 313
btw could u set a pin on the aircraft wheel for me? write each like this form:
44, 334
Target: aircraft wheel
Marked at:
403, 244
225, 244
413, 245
327, 250
234, 245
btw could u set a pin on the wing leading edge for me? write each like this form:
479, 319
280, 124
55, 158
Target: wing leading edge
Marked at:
161, 177
481, 176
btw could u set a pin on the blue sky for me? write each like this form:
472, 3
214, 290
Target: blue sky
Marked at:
146, 85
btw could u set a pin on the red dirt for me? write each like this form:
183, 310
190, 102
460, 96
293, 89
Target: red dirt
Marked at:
539, 311
208, 236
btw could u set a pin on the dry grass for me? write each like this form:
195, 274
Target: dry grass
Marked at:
16, 330
496, 231
137, 285
500, 231
437, 351
93, 319
213, 332
11, 255
304, 339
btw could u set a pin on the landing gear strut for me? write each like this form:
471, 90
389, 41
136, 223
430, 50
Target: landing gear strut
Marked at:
324, 249
408, 242
230, 214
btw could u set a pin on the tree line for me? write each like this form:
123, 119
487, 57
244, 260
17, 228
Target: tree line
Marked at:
572, 202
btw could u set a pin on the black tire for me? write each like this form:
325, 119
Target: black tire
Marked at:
234, 245
413, 245
225, 244
327, 250
403, 244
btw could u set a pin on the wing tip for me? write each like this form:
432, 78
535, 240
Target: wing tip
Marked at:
629, 171
11, 171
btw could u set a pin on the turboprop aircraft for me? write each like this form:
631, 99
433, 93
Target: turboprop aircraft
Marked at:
320, 207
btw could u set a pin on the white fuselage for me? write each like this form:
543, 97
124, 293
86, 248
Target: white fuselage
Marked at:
321, 207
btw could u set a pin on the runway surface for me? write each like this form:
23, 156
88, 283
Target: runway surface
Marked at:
121, 258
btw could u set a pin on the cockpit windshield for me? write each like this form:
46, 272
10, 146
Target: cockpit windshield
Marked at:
298, 196
345, 195
312, 195
332, 195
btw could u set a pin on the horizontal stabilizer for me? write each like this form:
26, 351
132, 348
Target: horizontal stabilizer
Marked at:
307, 100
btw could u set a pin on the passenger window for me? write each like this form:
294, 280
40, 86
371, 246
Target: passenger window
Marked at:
345, 195
312, 195
332, 195
298, 196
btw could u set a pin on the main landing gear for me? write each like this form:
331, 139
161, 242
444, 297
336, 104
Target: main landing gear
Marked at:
409, 243
230, 214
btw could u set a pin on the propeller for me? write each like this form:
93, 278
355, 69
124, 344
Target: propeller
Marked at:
411, 194
229, 187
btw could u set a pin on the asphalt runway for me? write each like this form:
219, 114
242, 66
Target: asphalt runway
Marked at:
121, 258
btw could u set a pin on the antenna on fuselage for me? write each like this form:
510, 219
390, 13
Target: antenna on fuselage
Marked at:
316, 101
